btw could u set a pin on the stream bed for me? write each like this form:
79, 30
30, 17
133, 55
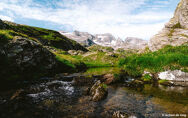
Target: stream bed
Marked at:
52, 98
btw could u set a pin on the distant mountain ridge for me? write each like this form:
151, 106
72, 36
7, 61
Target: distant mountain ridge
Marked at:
83, 38
107, 40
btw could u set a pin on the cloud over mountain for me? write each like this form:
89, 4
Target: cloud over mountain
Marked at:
122, 18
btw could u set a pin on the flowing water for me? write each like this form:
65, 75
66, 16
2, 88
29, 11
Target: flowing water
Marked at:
66, 99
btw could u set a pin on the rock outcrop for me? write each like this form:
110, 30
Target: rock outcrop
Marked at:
98, 91
135, 43
176, 75
175, 32
22, 58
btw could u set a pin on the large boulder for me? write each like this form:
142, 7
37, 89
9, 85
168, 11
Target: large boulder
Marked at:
175, 32
176, 75
98, 91
24, 58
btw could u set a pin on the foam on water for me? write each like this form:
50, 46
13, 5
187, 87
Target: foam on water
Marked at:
65, 88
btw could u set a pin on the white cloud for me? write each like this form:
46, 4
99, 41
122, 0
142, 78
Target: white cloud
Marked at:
7, 18
95, 16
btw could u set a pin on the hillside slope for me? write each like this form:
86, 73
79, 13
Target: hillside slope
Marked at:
44, 36
26, 52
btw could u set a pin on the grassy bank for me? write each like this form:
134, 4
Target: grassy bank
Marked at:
100, 59
164, 59
90, 59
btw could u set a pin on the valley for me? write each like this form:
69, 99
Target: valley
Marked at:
57, 74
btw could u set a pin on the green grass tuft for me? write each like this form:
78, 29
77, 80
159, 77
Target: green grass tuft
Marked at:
178, 25
166, 58
163, 81
146, 77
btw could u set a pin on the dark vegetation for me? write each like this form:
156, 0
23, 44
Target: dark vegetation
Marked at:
46, 39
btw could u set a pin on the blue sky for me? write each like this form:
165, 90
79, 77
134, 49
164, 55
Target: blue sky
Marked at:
122, 18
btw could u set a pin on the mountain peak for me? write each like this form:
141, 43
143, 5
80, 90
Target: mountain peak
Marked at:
180, 16
107, 40
175, 32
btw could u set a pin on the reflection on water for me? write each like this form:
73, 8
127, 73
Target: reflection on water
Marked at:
168, 99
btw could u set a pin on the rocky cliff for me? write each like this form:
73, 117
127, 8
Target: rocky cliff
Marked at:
175, 32
135, 43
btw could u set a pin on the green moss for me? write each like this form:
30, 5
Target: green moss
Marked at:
178, 25
6, 36
184, 35
146, 78
105, 86
163, 81
171, 32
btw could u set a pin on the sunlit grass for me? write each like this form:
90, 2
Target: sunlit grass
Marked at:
164, 59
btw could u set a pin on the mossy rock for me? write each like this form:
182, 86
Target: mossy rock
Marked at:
165, 82
146, 78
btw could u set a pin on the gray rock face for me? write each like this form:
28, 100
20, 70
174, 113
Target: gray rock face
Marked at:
105, 39
175, 32
24, 56
129, 43
135, 43
28, 53
180, 16
98, 92
83, 38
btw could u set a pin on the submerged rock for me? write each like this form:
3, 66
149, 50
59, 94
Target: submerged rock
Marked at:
119, 114
18, 94
109, 78
136, 83
98, 91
